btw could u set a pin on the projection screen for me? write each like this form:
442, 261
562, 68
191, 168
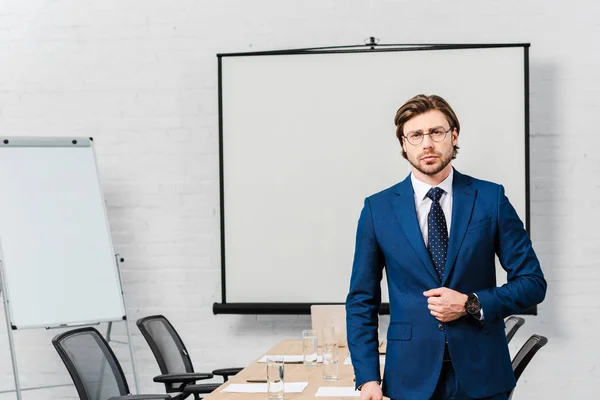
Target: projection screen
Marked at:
306, 135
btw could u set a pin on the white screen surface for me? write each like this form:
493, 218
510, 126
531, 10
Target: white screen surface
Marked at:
57, 256
306, 137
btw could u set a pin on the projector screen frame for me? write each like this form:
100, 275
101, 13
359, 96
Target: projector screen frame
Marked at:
304, 308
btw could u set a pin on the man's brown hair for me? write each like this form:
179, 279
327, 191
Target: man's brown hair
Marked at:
418, 105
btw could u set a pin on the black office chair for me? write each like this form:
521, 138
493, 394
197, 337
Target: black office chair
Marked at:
512, 325
525, 354
95, 370
174, 360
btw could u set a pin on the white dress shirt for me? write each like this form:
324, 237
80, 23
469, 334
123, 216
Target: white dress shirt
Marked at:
423, 203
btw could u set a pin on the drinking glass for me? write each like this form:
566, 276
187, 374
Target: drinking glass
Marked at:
310, 348
275, 373
330, 361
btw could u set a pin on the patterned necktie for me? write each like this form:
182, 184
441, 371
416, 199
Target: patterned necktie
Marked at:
437, 232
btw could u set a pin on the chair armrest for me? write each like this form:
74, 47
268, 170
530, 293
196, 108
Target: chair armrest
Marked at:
202, 388
142, 397
183, 377
226, 372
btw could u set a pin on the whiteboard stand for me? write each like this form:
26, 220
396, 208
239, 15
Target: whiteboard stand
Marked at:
10, 327
52, 198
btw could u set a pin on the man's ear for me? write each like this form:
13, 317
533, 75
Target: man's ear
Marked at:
454, 137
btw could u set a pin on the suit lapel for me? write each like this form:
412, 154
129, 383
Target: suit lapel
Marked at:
463, 199
406, 213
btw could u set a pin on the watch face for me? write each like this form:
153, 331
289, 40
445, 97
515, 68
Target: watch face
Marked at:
473, 306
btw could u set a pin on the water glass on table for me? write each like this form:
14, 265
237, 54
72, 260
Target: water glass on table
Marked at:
275, 375
310, 348
328, 333
330, 360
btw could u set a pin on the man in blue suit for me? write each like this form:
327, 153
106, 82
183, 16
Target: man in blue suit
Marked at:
437, 234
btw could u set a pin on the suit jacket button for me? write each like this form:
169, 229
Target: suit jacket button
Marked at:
441, 326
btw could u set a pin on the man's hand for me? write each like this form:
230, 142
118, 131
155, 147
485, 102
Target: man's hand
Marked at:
371, 391
446, 304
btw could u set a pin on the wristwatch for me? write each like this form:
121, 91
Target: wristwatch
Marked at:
472, 306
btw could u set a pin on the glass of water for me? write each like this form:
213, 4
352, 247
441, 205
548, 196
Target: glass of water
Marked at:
328, 333
330, 361
310, 349
275, 385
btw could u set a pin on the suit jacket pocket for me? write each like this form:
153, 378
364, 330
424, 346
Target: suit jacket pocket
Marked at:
399, 331
480, 223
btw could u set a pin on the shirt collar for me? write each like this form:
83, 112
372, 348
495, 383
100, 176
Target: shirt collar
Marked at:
421, 188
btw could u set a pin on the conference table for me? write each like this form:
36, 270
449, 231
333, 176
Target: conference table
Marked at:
294, 372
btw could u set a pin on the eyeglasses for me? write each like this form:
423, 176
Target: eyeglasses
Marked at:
437, 135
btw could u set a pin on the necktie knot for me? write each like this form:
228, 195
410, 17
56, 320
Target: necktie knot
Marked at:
435, 194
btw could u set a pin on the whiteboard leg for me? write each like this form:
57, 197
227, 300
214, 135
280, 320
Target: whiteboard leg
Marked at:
13, 354
118, 261
135, 377
108, 331
11, 343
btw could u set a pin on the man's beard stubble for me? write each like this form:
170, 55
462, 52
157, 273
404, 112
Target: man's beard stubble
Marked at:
445, 160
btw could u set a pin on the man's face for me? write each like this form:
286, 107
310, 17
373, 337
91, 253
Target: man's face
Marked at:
429, 157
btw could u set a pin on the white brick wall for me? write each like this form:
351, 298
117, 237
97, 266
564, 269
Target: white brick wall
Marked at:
140, 77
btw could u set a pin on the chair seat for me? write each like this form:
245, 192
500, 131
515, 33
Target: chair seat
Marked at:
201, 388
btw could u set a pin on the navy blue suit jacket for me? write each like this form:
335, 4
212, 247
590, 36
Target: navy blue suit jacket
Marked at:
484, 224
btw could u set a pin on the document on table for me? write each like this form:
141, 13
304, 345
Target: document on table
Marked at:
381, 360
332, 391
288, 387
294, 358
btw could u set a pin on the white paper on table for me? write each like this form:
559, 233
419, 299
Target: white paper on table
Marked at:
288, 387
381, 360
332, 391
246, 388
295, 358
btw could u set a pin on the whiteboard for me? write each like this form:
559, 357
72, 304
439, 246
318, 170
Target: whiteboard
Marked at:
306, 136
57, 257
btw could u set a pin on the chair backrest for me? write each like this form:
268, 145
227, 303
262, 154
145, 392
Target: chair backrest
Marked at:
91, 363
526, 353
166, 345
329, 315
512, 325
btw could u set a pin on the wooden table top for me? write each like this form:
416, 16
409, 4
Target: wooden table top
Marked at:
293, 373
